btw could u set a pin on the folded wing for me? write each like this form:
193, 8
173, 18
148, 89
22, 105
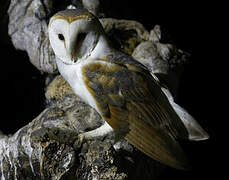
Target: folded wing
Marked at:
134, 105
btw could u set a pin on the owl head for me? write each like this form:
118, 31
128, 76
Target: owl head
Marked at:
73, 34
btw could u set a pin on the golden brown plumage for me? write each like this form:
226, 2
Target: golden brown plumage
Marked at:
133, 104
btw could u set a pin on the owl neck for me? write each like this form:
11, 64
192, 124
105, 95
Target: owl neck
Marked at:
102, 48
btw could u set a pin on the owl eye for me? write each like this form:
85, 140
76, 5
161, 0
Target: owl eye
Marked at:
81, 37
61, 37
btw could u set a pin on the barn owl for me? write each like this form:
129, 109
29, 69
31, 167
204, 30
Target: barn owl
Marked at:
125, 94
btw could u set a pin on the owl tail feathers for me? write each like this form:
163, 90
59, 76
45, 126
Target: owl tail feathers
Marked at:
195, 131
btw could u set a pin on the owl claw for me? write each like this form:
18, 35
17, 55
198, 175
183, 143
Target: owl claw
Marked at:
79, 141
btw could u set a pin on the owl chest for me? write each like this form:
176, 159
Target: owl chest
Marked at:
80, 89
74, 76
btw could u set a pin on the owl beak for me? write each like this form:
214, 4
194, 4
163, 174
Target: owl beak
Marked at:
72, 56
71, 51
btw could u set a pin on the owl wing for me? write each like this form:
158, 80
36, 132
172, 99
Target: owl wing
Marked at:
133, 104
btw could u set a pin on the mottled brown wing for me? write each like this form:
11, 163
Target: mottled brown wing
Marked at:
133, 104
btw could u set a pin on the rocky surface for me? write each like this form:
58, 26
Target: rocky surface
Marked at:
164, 60
28, 31
44, 149
124, 34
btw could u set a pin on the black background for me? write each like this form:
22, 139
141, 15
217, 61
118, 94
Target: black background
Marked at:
193, 27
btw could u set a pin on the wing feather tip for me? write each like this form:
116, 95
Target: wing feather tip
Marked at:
199, 137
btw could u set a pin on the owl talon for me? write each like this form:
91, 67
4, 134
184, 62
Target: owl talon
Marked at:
79, 141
